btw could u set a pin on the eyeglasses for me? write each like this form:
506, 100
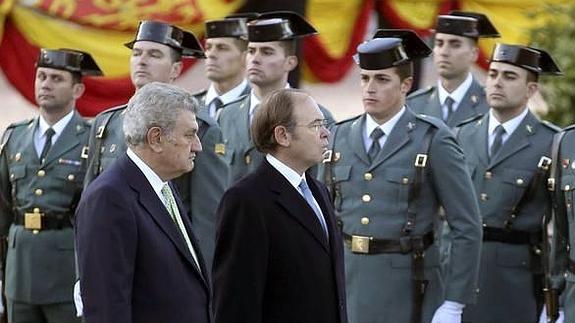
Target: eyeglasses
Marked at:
315, 125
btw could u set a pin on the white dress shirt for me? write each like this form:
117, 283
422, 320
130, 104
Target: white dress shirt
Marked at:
457, 95
386, 127
40, 133
509, 126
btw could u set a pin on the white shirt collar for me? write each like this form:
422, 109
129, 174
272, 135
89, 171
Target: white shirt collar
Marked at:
58, 126
40, 134
227, 97
153, 178
387, 127
509, 125
291, 175
457, 95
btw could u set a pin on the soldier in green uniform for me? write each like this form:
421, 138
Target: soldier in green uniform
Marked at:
508, 155
271, 56
389, 172
42, 165
156, 56
225, 63
457, 96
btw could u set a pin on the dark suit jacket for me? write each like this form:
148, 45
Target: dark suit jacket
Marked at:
272, 261
134, 264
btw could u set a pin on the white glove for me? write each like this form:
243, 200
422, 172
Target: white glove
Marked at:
543, 316
448, 312
78, 300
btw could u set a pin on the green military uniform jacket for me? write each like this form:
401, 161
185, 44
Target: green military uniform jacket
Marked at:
200, 190
563, 254
372, 200
242, 154
506, 285
40, 265
426, 101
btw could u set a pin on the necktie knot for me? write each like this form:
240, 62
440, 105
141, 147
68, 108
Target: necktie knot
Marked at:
218, 104
49, 132
376, 134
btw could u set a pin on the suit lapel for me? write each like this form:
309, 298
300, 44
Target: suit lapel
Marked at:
518, 140
155, 208
434, 107
479, 135
467, 106
68, 139
355, 140
324, 204
188, 225
398, 138
244, 122
29, 148
294, 204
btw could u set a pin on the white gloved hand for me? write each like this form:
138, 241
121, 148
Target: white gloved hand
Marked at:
448, 312
543, 316
78, 300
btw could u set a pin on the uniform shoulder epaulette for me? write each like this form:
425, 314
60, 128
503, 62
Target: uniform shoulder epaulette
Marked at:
551, 126
421, 92
468, 120
237, 100
113, 109
21, 123
569, 128
8, 132
349, 119
200, 93
431, 120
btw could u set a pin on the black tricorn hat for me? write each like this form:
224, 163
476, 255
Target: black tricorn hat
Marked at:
70, 60
279, 25
390, 48
467, 24
229, 27
159, 32
532, 59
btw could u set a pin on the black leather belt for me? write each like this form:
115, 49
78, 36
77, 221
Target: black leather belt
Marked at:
43, 220
370, 245
510, 236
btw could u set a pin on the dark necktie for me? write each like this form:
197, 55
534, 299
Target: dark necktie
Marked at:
47, 143
449, 104
310, 201
375, 147
218, 104
498, 141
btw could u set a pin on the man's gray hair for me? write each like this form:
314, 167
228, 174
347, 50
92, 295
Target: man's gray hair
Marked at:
155, 105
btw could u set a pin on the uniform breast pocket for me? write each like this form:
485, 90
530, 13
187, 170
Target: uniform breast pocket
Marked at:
17, 173
567, 188
71, 177
397, 185
515, 182
341, 175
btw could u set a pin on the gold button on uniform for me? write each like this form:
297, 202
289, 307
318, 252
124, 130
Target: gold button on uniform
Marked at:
519, 181
248, 159
366, 198
41, 173
368, 176
38, 191
71, 177
567, 187
483, 197
12, 176
18, 156
405, 180
488, 175
365, 220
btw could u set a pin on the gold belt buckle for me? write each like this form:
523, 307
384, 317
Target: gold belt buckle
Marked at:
360, 244
33, 221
